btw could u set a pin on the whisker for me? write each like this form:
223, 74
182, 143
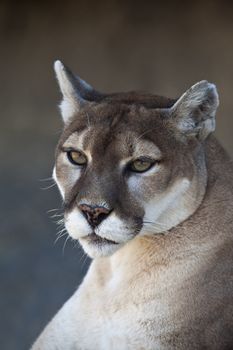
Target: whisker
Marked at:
85, 259
48, 187
47, 179
60, 222
56, 216
63, 249
149, 225
60, 236
55, 209
153, 222
75, 243
62, 230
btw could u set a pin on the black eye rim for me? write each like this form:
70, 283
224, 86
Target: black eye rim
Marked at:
152, 162
70, 158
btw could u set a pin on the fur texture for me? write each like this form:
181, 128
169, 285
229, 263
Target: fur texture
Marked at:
162, 274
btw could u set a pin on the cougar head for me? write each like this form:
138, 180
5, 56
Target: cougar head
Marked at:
130, 164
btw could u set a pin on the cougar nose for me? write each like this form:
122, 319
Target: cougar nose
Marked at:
94, 214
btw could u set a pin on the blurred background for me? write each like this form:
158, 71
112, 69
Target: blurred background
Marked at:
113, 45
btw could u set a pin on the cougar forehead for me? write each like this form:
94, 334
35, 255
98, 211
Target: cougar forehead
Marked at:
124, 130
98, 143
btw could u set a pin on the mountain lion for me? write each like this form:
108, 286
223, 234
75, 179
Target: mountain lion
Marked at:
148, 192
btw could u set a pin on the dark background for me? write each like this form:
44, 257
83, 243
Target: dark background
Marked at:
114, 45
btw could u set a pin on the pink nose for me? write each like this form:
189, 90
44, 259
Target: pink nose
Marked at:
94, 214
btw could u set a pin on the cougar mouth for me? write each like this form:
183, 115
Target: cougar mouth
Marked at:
94, 238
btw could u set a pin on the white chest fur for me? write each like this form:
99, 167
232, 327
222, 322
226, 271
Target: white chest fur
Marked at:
124, 305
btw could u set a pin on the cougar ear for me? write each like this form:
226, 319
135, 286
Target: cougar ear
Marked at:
76, 92
194, 112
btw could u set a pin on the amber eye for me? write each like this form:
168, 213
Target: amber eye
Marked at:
77, 158
141, 165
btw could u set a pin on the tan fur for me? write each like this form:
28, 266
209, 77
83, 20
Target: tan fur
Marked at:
170, 290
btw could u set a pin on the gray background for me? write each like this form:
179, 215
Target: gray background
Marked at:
114, 45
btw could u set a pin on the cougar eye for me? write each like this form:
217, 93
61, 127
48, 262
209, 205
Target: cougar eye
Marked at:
141, 165
77, 157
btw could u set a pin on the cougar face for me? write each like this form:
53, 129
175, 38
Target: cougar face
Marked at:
129, 164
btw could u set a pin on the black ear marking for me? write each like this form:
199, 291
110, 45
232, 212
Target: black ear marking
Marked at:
76, 92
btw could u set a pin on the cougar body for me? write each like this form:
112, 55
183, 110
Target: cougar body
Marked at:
162, 270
